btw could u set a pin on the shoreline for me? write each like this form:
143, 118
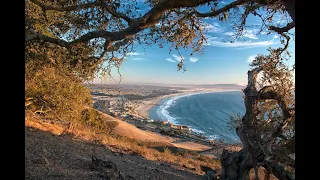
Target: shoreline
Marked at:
144, 108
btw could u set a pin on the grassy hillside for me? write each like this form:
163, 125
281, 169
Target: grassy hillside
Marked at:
56, 150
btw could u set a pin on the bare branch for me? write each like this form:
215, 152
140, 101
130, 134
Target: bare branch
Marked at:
224, 9
284, 107
36, 36
287, 43
117, 45
283, 29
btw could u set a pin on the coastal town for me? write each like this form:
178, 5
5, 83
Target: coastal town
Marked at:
131, 104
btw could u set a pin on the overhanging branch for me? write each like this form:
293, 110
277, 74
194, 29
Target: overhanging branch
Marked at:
282, 29
149, 19
64, 8
78, 7
221, 10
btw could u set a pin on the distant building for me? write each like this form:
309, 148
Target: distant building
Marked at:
186, 128
165, 122
173, 126
149, 120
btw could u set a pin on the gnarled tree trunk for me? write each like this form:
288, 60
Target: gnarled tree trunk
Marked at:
290, 7
237, 165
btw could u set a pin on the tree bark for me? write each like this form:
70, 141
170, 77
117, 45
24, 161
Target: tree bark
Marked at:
237, 165
290, 7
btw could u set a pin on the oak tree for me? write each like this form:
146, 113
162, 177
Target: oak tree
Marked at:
78, 37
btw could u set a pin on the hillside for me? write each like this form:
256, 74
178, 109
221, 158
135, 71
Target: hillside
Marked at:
54, 150
50, 156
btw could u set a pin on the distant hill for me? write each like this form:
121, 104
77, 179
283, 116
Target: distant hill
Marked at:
222, 85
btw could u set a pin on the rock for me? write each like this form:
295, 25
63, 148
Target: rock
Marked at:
206, 168
107, 170
130, 178
210, 173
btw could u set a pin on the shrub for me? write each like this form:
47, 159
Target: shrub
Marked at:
94, 119
55, 95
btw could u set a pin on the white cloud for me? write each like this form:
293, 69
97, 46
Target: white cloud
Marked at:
251, 58
250, 33
229, 33
139, 59
238, 44
177, 58
222, 2
281, 21
216, 24
242, 83
275, 37
170, 60
133, 53
193, 59
214, 27
209, 39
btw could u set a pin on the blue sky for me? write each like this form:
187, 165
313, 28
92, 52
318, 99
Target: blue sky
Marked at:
221, 62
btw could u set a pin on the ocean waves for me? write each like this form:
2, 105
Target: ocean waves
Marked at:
163, 112
165, 104
206, 113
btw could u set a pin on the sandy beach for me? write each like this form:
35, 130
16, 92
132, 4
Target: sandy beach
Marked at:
131, 131
144, 108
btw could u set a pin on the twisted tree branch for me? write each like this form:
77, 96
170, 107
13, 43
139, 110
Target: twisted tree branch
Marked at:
136, 25
282, 29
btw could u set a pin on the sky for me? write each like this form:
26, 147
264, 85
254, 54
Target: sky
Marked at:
221, 62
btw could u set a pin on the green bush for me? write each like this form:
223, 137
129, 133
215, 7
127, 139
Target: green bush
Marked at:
94, 119
60, 96
55, 95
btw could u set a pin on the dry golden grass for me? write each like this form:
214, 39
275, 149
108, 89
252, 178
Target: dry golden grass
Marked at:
126, 145
261, 174
187, 159
31, 121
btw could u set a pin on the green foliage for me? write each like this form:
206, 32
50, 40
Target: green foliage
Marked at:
55, 95
76, 62
94, 119
235, 121
276, 77
66, 46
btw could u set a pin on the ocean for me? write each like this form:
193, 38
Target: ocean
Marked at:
206, 113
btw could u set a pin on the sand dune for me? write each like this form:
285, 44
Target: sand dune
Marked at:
130, 131
191, 146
